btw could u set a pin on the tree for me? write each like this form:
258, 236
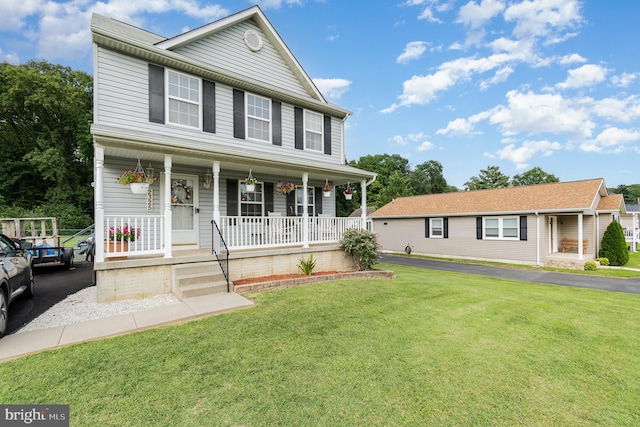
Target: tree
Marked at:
614, 245
427, 178
533, 176
488, 178
47, 149
385, 165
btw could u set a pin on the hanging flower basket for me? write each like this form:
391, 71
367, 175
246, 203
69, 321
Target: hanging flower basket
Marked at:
250, 182
326, 189
139, 187
136, 179
348, 194
285, 187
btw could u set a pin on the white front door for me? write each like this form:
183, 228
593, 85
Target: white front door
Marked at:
184, 211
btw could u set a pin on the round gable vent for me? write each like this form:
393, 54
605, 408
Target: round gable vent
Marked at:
253, 40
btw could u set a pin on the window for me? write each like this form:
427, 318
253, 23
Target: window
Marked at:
310, 201
501, 228
258, 118
251, 202
436, 227
183, 99
313, 131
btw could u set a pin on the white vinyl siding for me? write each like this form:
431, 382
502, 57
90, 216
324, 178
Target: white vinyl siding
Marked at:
501, 228
313, 131
436, 227
183, 99
258, 118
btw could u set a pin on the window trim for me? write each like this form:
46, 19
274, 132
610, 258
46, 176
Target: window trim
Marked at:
168, 97
431, 228
311, 202
241, 182
501, 227
305, 130
247, 117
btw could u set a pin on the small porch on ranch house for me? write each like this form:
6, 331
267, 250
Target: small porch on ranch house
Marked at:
572, 239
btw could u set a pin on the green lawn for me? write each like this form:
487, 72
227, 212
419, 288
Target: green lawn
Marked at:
429, 348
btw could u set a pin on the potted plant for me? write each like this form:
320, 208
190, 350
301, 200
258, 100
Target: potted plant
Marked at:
326, 189
285, 187
348, 193
250, 182
119, 238
137, 180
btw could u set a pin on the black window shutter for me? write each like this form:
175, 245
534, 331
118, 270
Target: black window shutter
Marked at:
208, 106
291, 203
238, 114
479, 228
445, 228
327, 135
298, 120
318, 199
268, 197
232, 197
523, 227
276, 118
426, 227
156, 94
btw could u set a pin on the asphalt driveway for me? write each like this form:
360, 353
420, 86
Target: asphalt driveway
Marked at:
631, 286
52, 284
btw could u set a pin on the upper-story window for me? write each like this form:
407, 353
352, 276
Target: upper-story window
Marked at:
183, 100
313, 124
258, 118
501, 228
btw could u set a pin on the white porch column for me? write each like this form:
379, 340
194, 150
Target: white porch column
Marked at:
363, 205
216, 192
305, 211
580, 242
634, 232
98, 194
167, 206
537, 239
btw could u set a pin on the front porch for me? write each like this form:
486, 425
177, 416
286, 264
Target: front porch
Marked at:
569, 260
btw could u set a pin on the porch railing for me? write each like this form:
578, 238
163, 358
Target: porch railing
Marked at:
251, 232
221, 251
148, 231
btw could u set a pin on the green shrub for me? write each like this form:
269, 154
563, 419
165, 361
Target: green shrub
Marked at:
362, 246
307, 266
613, 245
603, 261
590, 265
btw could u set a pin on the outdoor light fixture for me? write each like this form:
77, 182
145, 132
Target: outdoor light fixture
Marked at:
149, 172
207, 179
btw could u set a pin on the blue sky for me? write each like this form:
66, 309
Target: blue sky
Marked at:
511, 83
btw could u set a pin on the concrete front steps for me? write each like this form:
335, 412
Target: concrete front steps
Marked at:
197, 279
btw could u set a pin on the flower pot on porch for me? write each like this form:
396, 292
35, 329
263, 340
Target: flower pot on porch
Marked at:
116, 246
326, 193
139, 187
250, 187
348, 196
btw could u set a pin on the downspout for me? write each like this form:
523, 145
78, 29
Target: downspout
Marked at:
537, 239
597, 233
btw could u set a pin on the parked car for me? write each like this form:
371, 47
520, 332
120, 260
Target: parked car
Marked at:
16, 276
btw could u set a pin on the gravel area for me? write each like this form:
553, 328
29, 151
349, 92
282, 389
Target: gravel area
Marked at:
82, 306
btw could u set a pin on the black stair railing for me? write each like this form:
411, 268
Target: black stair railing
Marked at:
221, 251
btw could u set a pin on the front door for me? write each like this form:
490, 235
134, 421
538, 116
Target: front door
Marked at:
184, 211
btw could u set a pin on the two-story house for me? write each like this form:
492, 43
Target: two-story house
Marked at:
202, 116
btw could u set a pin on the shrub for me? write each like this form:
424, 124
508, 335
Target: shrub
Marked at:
362, 246
603, 261
307, 266
590, 265
613, 245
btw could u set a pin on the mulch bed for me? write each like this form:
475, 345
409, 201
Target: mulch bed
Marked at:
275, 277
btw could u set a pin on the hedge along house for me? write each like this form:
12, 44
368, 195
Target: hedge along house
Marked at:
559, 224
237, 145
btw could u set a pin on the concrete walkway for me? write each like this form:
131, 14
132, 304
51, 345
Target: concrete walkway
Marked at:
12, 346
631, 286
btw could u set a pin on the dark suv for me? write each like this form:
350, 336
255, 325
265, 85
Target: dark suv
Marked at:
16, 276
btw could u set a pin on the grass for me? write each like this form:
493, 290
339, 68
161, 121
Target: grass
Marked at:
429, 348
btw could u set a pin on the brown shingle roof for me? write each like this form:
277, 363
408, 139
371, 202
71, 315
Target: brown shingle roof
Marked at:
559, 196
612, 203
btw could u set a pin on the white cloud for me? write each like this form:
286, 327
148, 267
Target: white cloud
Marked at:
574, 58
543, 18
427, 14
475, 15
399, 140
521, 155
332, 88
275, 4
457, 127
426, 146
624, 80
500, 76
10, 58
622, 110
413, 50
611, 139
14, 12
587, 75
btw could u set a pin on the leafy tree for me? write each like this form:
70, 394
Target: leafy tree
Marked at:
533, 176
397, 186
385, 165
613, 245
427, 178
631, 193
488, 178
47, 164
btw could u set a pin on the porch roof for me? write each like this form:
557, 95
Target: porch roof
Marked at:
575, 196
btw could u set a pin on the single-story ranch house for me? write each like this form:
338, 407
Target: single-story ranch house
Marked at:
558, 224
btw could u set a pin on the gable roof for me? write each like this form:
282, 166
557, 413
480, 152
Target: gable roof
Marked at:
544, 198
133, 41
